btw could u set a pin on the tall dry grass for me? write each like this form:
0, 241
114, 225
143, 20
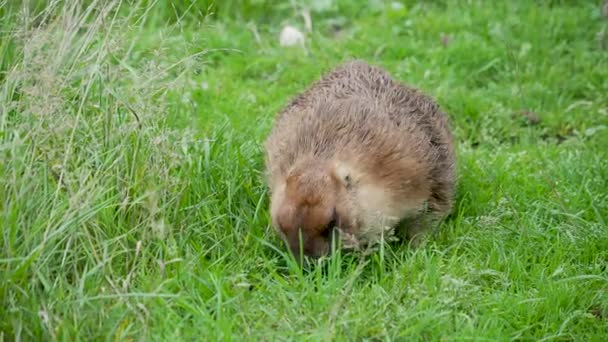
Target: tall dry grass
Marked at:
90, 170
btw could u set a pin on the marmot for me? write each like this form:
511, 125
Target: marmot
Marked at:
354, 157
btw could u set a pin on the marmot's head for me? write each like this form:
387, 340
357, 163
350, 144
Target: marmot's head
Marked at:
310, 208
322, 202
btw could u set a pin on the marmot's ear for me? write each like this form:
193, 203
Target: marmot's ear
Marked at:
344, 174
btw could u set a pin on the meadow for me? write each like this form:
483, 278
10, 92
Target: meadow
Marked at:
132, 196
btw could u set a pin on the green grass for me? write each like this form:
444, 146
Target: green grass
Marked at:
132, 202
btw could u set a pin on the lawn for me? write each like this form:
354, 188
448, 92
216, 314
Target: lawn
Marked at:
132, 197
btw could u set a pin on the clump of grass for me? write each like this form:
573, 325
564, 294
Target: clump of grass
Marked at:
92, 174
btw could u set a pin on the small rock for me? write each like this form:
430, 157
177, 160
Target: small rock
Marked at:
530, 117
291, 36
445, 39
592, 130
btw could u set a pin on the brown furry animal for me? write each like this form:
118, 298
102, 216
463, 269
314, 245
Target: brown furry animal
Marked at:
354, 156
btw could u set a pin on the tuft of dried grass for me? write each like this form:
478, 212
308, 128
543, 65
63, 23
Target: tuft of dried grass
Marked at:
85, 144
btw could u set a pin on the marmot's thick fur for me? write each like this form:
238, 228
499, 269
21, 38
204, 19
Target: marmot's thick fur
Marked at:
354, 156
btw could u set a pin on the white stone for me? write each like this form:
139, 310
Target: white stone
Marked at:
291, 36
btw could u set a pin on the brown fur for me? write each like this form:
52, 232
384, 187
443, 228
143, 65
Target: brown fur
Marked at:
354, 155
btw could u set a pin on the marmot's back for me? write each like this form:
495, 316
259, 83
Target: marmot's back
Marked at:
359, 115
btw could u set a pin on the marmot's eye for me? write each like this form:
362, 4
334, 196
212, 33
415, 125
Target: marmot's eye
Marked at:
347, 181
